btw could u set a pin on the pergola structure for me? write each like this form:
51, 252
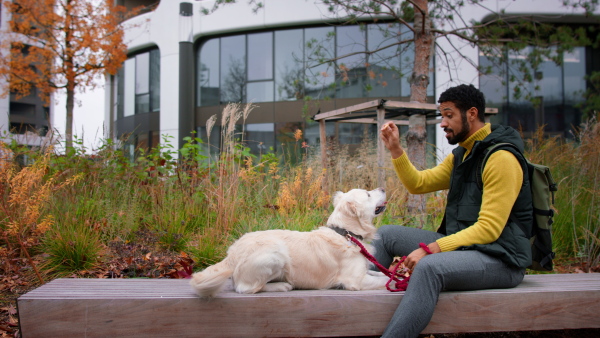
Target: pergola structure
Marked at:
379, 112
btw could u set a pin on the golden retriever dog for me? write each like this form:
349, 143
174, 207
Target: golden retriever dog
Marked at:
282, 260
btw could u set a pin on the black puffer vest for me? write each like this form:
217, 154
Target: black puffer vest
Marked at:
465, 196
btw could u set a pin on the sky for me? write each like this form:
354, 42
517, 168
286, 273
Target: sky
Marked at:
88, 116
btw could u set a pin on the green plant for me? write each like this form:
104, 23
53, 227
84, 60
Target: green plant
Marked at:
71, 248
192, 153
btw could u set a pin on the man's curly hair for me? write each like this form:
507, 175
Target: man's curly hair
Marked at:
465, 97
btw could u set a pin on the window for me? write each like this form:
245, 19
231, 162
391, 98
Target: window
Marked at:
155, 80
142, 83
260, 137
384, 66
319, 44
351, 74
28, 117
22, 128
233, 69
211, 144
129, 88
138, 84
289, 65
260, 56
260, 68
208, 73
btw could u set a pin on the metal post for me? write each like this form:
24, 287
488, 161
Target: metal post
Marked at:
186, 72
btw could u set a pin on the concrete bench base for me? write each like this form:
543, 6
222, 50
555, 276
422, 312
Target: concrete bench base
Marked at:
169, 308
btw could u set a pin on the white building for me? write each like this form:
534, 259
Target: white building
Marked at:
184, 66
26, 120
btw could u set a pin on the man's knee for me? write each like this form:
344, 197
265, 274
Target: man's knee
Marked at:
429, 267
428, 276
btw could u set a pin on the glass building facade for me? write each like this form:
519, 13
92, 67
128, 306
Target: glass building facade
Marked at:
556, 92
291, 74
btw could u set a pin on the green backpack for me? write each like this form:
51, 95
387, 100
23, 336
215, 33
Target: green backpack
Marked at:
542, 192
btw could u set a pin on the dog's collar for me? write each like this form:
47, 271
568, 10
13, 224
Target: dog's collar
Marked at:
345, 232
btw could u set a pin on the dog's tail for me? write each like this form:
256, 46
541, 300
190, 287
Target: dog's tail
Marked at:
211, 280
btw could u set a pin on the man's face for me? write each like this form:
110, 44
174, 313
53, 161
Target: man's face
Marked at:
454, 123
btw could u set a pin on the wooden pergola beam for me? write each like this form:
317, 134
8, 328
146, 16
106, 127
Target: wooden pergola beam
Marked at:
368, 120
348, 110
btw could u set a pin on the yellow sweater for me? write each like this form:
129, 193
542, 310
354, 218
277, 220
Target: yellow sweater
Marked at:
502, 180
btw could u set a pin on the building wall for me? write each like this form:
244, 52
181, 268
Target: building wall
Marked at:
27, 111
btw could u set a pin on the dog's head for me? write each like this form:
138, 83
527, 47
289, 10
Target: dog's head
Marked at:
356, 209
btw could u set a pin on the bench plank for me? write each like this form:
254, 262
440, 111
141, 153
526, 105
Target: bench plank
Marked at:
169, 308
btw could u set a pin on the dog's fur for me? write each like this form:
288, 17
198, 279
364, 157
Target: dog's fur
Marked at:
282, 260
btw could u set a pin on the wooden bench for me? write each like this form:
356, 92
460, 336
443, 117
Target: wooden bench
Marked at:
169, 308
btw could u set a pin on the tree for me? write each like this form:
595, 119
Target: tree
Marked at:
61, 44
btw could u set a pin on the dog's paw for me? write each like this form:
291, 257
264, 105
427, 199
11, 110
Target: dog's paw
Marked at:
375, 273
277, 287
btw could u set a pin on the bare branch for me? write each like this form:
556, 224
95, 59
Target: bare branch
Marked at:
362, 52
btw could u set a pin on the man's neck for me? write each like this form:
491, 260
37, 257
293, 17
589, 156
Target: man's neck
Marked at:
478, 135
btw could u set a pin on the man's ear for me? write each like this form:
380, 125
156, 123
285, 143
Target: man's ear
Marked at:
337, 197
473, 114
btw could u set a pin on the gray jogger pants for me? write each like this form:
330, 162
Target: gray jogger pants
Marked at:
454, 270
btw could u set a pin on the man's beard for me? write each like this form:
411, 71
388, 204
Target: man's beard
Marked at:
462, 135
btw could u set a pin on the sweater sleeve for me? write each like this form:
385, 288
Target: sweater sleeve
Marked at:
502, 181
424, 181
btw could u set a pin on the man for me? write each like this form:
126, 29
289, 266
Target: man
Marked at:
477, 245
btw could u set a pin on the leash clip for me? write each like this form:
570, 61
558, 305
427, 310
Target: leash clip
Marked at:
349, 238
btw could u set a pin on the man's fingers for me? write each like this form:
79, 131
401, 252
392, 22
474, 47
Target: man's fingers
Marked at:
387, 126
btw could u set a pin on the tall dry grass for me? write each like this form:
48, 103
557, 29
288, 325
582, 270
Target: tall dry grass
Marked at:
575, 166
24, 197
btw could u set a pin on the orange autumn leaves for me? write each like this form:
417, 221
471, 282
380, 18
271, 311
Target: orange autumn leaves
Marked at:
61, 44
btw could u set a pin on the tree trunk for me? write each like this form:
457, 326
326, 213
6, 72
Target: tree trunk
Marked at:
417, 133
70, 76
69, 126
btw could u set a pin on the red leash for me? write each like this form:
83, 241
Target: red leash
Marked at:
401, 284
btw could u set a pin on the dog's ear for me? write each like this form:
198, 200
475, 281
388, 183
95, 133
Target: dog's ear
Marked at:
350, 208
337, 197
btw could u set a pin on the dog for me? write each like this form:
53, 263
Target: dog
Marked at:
283, 260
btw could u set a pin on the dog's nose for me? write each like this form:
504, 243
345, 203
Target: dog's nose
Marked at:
382, 190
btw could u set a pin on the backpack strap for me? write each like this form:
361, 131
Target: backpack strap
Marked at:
488, 152
492, 149
479, 172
